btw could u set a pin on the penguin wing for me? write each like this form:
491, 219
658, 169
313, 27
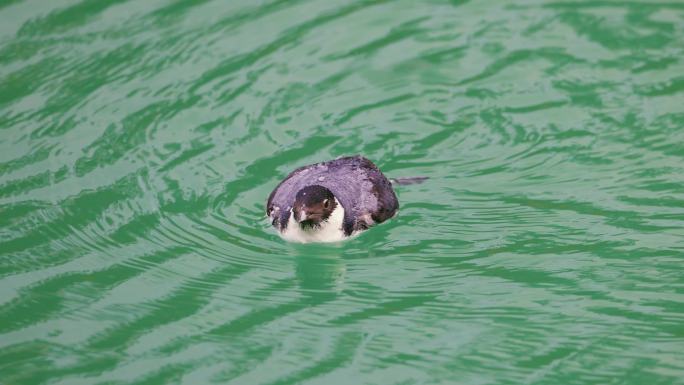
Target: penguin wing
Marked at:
363, 190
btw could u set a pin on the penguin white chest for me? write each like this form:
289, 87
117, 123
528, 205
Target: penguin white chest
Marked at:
329, 230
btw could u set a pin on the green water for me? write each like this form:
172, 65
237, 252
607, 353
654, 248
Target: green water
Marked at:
139, 141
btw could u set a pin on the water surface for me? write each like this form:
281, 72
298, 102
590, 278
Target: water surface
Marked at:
140, 139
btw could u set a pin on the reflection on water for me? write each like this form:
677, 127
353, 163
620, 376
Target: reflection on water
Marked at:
139, 141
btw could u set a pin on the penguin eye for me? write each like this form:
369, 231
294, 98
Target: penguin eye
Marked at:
326, 203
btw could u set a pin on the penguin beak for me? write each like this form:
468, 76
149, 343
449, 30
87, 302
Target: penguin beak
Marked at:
315, 217
310, 216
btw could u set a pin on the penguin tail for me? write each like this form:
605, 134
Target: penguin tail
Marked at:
408, 180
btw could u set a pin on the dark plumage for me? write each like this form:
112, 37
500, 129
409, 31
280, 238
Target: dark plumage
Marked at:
360, 187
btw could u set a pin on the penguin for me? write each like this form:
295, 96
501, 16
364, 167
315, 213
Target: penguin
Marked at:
332, 201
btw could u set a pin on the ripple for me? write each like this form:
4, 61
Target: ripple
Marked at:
139, 141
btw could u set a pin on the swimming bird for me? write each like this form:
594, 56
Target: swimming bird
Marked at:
332, 201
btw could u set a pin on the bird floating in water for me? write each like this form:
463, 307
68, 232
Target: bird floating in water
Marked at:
332, 201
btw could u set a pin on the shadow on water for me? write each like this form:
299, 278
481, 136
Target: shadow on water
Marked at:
320, 272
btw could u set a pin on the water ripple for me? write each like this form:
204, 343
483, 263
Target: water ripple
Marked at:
139, 141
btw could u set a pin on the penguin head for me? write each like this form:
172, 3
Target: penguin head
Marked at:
313, 205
